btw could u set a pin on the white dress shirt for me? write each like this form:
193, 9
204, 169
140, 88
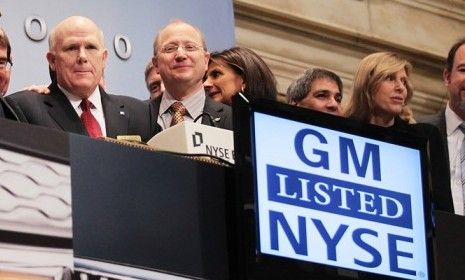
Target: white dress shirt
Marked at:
455, 137
96, 108
194, 105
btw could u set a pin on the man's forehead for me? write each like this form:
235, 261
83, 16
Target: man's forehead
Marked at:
460, 55
154, 77
78, 36
323, 83
179, 32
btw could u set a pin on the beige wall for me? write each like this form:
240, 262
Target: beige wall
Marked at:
294, 35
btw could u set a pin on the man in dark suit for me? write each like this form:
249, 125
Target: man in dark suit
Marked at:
6, 111
181, 59
450, 119
5, 74
76, 103
5, 62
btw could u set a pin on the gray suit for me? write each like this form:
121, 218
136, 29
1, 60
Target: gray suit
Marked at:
216, 110
123, 115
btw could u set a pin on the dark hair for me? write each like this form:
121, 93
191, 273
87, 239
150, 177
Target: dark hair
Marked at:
148, 69
5, 43
258, 79
452, 52
299, 89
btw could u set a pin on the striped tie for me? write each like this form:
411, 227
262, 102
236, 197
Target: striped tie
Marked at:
462, 164
177, 113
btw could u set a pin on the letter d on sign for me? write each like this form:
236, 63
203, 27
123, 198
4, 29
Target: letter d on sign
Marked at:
197, 139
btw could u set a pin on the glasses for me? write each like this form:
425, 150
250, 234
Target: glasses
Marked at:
5, 64
190, 47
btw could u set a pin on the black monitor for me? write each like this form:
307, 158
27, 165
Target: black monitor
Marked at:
324, 197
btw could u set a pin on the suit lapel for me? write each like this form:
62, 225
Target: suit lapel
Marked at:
442, 123
6, 111
443, 129
116, 116
61, 111
213, 109
154, 110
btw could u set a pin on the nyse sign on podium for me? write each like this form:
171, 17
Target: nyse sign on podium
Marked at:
338, 199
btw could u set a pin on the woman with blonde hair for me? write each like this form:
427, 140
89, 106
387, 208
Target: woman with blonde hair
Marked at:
382, 90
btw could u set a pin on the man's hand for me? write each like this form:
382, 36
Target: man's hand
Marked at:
42, 89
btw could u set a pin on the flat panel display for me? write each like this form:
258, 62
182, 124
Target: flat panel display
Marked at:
339, 199
324, 197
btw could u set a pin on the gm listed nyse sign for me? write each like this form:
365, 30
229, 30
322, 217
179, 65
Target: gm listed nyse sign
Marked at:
338, 199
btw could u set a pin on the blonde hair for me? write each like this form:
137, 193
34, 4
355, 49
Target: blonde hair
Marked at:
407, 114
371, 71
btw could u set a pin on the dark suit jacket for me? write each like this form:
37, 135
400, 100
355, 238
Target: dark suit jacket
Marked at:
6, 111
123, 115
439, 158
215, 109
439, 121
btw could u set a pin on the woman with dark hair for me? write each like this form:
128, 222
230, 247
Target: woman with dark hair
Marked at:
239, 70
381, 91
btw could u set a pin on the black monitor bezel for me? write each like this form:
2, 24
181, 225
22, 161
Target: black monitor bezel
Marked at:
250, 263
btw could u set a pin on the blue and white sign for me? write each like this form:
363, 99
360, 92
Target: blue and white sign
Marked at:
333, 198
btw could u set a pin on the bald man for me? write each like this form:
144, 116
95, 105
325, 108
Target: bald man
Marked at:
181, 59
76, 102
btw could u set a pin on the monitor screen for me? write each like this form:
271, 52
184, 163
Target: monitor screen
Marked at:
334, 193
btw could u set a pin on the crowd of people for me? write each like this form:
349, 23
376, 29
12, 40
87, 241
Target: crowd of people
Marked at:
186, 81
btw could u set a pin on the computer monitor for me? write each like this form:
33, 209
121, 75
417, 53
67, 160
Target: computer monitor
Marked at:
324, 197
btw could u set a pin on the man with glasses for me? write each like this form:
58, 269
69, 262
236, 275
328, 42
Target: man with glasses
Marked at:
5, 73
181, 59
5, 62
76, 103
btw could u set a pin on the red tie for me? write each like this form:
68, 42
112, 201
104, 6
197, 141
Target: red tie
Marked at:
89, 121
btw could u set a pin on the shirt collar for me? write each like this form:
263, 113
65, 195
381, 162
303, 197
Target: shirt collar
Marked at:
75, 101
191, 103
453, 121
